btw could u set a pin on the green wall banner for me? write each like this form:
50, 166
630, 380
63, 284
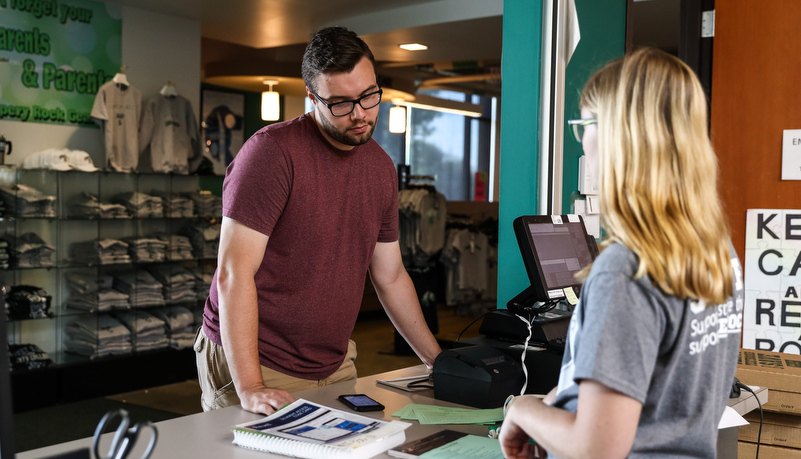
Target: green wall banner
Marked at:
54, 55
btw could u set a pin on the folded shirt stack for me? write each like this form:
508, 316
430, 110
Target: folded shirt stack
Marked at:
206, 204
176, 205
31, 251
5, 256
97, 336
87, 205
27, 357
148, 332
27, 302
203, 278
140, 205
205, 238
178, 247
146, 249
142, 288
102, 300
25, 201
180, 323
100, 251
178, 282
93, 292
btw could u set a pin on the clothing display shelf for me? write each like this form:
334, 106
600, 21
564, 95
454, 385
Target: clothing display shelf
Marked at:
112, 251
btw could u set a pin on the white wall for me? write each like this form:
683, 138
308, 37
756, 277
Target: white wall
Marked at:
156, 48
294, 106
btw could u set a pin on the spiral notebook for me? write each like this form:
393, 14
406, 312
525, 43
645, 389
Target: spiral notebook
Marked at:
307, 430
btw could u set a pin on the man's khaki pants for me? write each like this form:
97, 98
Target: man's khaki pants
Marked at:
218, 386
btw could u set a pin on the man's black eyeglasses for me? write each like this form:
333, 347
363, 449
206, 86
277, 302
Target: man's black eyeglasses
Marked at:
345, 107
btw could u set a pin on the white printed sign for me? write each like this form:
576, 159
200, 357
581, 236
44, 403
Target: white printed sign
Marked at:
791, 154
772, 319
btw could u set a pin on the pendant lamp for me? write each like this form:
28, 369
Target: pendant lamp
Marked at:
270, 103
397, 119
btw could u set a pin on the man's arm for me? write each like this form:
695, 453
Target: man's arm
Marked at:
240, 255
604, 425
399, 298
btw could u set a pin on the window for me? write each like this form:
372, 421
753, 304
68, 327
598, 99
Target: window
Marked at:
393, 144
438, 148
451, 147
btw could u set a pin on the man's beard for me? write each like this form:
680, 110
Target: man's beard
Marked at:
343, 136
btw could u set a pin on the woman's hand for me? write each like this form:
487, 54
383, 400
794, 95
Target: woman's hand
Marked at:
514, 440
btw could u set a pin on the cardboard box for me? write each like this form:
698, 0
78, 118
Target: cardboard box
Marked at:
747, 450
780, 373
777, 429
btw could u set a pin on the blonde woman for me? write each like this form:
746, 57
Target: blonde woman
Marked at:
652, 345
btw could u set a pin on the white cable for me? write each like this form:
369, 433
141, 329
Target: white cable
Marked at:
523, 357
507, 403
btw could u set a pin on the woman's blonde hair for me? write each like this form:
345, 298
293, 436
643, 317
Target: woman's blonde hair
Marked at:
658, 174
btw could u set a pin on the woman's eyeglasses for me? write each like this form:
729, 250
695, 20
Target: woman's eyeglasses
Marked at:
579, 126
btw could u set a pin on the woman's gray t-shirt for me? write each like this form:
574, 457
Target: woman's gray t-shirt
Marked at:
677, 357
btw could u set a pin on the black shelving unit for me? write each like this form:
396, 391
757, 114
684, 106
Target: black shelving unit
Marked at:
74, 377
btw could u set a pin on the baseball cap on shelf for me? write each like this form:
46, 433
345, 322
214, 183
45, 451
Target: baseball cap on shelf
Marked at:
80, 160
53, 159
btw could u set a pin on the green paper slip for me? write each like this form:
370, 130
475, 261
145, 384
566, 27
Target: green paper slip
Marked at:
431, 414
407, 412
469, 447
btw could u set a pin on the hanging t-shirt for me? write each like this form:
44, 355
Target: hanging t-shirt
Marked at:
170, 128
118, 112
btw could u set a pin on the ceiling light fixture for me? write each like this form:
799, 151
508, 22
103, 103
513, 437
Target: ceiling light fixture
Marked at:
442, 105
413, 47
397, 119
270, 103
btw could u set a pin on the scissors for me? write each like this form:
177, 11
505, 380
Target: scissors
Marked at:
124, 438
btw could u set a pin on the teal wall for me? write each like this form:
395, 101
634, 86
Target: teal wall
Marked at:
603, 26
520, 100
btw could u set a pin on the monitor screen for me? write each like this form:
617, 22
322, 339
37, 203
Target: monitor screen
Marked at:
554, 249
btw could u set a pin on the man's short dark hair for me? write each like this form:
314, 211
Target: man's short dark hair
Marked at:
331, 50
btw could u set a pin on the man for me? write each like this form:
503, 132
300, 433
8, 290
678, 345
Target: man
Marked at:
309, 205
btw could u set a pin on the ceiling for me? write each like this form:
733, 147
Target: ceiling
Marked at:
246, 42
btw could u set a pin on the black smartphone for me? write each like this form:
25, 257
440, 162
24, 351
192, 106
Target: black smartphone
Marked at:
360, 402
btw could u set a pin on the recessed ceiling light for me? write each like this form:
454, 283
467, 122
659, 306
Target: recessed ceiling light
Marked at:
413, 47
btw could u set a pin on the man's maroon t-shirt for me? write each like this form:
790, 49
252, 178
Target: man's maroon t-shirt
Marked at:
324, 209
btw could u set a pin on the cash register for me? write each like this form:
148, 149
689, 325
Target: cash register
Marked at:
531, 331
554, 249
